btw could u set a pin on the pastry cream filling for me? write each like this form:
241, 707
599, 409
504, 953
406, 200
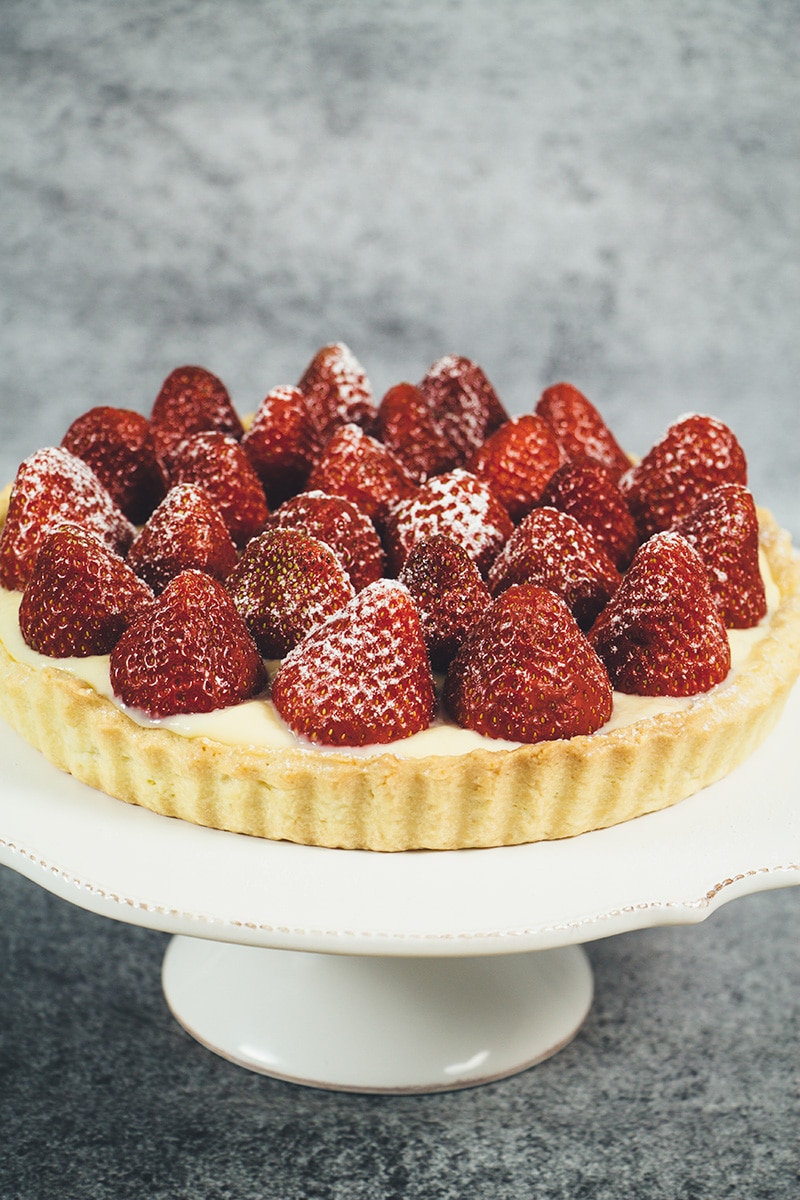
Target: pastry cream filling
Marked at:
256, 722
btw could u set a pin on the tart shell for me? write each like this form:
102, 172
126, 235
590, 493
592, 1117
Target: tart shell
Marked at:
482, 798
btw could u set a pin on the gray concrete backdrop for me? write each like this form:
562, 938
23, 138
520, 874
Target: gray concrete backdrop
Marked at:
603, 192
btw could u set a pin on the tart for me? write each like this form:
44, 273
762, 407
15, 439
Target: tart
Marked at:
450, 748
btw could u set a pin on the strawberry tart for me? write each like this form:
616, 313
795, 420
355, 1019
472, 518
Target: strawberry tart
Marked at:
405, 624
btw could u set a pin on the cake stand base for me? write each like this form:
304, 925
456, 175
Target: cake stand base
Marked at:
377, 1024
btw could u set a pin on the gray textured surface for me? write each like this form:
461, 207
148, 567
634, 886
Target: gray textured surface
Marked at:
681, 1085
606, 193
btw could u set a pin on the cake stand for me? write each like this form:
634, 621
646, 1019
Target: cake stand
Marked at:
419, 971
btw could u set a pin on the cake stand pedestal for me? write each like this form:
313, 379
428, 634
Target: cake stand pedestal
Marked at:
377, 1024
420, 971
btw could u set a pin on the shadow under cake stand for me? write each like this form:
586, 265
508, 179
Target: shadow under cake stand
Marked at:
420, 971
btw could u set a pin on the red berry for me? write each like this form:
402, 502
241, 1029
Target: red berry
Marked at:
695, 455
456, 504
218, 463
517, 461
363, 676
115, 443
284, 585
526, 672
185, 532
449, 592
552, 549
191, 400
187, 652
466, 408
282, 443
336, 389
405, 423
662, 634
51, 487
579, 428
80, 597
362, 470
346, 529
723, 528
587, 491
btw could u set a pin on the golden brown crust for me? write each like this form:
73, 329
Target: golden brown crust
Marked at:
483, 798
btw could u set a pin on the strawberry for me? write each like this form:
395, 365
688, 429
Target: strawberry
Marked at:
187, 652
363, 676
525, 672
466, 407
517, 461
186, 531
723, 528
115, 443
337, 522
336, 389
284, 585
449, 592
587, 491
579, 428
695, 455
406, 424
53, 486
282, 443
218, 463
456, 504
191, 400
552, 549
361, 469
80, 596
662, 633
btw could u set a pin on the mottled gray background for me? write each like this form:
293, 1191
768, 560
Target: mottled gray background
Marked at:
604, 192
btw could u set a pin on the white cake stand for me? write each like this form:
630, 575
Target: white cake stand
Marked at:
419, 971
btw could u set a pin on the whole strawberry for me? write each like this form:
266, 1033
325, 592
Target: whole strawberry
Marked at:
466, 408
191, 400
587, 491
517, 461
186, 532
526, 673
80, 597
115, 443
336, 389
218, 463
552, 549
723, 528
405, 422
579, 428
51, 487
284, 585
695, 455
341, 525
363, 676
449, 592
456, 504
282, 443
188, 651
662, 633
361, 469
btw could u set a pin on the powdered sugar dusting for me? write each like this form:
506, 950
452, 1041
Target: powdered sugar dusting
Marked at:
362, 676
553, 549
336, 388
458, 505
53, 486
